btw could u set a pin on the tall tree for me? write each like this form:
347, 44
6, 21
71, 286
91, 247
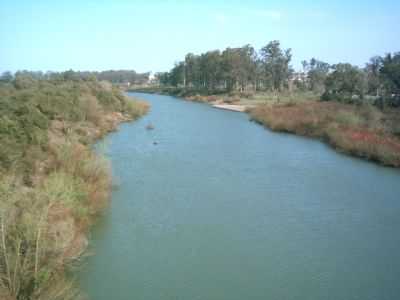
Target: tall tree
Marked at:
177, 75
390, 71
316, 71
276, 65
373, 75
346, 83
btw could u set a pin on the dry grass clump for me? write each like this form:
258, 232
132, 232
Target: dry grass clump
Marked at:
41, 227
80, 163
360, 131
135, 108
31, 258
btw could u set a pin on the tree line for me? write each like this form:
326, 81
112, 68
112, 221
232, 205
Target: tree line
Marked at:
114, 76
269, 69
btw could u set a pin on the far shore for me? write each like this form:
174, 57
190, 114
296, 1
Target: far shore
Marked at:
232, 107
355, 130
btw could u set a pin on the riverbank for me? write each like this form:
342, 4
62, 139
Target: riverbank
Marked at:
183, 220
52, 184
361, 131
232, 107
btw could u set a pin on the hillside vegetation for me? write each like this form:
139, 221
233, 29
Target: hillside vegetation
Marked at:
51, 184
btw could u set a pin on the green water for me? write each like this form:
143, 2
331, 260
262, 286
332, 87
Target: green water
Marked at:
221, 208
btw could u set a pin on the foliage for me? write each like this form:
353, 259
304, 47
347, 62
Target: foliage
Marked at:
232, 69
29, 106
51, 185
346, 83
316, 71
363, 131
276, 64
244, 69
390, 74
380, 79
114, 76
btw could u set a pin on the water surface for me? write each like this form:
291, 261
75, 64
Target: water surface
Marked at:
221, 208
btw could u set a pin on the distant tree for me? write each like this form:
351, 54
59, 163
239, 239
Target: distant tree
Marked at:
248, 66
211, 68
162, 78
192, 70
24, 80
372, 69
230, 66
316, 71
177, 74
239, 67
37, 75
70, 75
390, 78
6, 77
346, 83
390, 71
276, 65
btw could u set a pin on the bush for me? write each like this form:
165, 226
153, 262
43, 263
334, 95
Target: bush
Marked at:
31, 262
54, 185
359, 130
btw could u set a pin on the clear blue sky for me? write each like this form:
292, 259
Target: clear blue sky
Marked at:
152, 35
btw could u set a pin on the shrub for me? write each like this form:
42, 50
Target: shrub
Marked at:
359, 130
31, 263
57, 185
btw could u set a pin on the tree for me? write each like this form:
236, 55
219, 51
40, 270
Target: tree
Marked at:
276, 65
230, 66
390, 71
373, 75
316, 71
239, 67
162, 78
6, 77
70, 75
248, 67
192, 70
211, 68
346, 83
177, 74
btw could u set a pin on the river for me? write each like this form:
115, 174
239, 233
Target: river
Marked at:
211, 206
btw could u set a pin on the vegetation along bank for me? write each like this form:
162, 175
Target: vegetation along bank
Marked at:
52, 185
355, 109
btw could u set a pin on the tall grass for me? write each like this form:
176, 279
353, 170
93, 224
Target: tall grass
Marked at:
362, 131
31, 258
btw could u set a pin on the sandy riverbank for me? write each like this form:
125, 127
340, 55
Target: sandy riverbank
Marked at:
233, 107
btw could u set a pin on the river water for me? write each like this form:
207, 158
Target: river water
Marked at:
211, 206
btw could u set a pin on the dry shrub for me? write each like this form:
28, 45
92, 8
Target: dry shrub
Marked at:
92, 169
31, 260
136, 108
232, 100
212, 98
92, 110
41, 227
46, 206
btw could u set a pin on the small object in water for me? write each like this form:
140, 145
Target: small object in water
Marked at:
155, 143
150, 126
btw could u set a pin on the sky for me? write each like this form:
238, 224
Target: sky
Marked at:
153, 35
